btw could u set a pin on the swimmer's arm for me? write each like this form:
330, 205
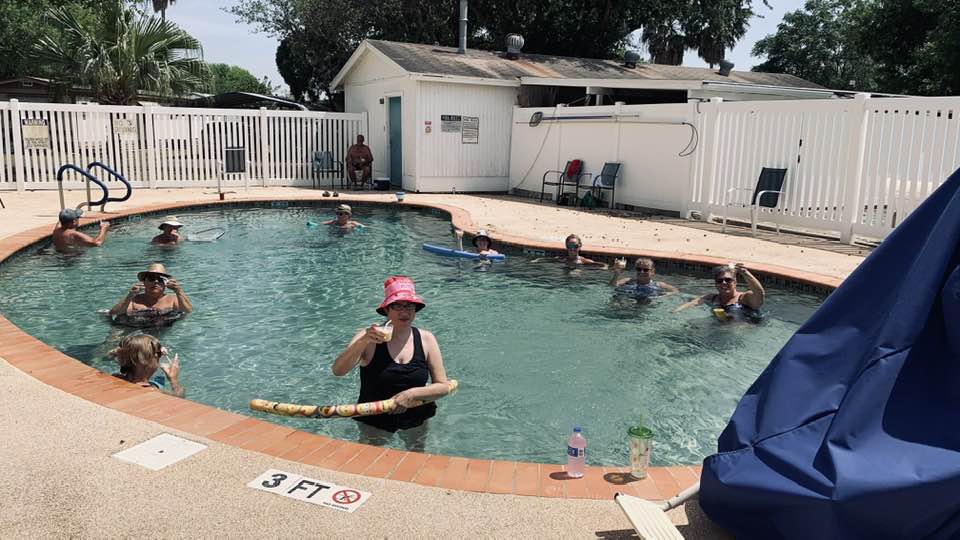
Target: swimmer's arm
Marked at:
618, 279
183, 302
93, 242
695, 302
755, 296
458, 234
121, 306
438, 386
668, 287
172, 371
353, 354
591, 262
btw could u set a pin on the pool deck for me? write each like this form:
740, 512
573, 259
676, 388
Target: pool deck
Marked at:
65, 420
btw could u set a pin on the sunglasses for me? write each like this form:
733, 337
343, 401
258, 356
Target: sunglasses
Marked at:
405, 306
342, 214
724, 280
645, 270
153, 277
573, 246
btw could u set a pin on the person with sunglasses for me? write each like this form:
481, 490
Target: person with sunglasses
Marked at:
147, 303
343, 221
397, 361
728, 303
643, 287
573, 257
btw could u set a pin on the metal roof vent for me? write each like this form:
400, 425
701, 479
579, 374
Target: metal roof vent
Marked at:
725, 67
514, 44
630, 59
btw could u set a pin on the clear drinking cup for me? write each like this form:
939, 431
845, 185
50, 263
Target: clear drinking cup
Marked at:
386, 331
641, 444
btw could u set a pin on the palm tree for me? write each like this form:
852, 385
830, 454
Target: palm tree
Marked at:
160, 6
121, 54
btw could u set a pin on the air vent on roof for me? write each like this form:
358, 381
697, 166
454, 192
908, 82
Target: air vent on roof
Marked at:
514, 45
630, 59
725, 67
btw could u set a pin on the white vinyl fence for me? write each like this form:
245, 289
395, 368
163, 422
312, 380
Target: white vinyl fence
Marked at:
857, 166
154, 146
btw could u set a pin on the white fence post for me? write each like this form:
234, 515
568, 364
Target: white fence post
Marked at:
711, 148
150, 137
853, 171
19, 171
264, 158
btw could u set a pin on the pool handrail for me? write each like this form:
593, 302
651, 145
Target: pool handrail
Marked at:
118, 176
89, 177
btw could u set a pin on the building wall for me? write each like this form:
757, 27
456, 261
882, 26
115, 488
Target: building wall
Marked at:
652, 175
446, 162
372, 80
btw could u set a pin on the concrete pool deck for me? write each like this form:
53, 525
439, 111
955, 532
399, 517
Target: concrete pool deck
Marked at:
62, 481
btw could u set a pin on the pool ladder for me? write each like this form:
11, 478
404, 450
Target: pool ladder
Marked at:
89, 177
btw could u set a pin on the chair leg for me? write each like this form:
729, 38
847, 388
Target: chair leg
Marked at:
542, 188
778, 228
1, 204
753, 220
723, 229
613, 196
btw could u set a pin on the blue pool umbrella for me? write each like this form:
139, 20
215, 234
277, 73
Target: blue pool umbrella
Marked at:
853, 430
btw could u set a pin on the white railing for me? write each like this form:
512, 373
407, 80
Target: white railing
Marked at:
169, 147
856, 166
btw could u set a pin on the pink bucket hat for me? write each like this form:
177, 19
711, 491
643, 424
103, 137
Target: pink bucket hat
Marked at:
399, 289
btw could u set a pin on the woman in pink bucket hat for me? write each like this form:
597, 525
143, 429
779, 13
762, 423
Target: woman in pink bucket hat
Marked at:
398, 361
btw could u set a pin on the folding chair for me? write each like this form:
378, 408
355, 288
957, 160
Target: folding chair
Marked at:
569, 176
605, 181
765, 195
323, 163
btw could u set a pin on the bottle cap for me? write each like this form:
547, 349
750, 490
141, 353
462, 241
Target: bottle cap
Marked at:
576, 429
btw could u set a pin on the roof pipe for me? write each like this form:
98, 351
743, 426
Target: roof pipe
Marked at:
463, 27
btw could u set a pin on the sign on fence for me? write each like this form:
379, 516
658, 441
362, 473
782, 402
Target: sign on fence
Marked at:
450, 123
126, 129
36, 133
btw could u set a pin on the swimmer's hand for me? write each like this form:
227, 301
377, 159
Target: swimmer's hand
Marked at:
373, 334
136, 289
174, 286
104, 225
459, 233
171, 370
405, 400
619, 264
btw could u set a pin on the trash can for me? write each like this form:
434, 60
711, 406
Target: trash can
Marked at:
381, 184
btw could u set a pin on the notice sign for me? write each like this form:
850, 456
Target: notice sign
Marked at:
309, 490
125, 129
471, 130
36, 133
450, 123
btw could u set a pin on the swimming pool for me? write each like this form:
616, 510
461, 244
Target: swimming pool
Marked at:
537, 348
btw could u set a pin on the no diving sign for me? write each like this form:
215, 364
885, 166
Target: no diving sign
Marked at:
309, 490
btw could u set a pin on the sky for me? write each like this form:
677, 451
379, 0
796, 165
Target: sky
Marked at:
226, 40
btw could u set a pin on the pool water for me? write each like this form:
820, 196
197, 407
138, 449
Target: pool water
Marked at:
538, 348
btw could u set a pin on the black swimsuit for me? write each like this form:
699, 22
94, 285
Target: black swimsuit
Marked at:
383, 378
739, 311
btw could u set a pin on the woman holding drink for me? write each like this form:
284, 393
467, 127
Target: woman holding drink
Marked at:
397, 361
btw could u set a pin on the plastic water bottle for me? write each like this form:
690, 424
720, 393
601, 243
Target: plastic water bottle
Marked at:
576, 454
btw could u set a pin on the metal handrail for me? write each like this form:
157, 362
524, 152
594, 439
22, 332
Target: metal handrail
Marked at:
116, 175
89, 177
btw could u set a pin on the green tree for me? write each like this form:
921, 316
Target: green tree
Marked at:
819, 43
120, 54
226, 78
316, 44
914, 44
23, 22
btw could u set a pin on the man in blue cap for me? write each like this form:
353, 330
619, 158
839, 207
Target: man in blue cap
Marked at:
66, 237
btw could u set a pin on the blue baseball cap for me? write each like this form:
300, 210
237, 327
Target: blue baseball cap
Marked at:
69, 214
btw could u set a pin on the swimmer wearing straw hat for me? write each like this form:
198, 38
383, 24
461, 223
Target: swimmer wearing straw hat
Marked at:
171, 232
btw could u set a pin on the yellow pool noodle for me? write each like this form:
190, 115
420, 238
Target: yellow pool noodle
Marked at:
339, 411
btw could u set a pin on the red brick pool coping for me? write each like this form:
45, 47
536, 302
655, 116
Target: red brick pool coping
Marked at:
56, 369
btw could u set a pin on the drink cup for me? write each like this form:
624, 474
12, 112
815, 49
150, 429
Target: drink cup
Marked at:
641, 444
400, 195
386, 331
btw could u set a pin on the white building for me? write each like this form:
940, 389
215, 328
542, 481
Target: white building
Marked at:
441, 121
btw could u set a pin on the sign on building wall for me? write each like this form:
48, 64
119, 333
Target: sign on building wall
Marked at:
126, 129
471, 130
35, 133
449, 123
